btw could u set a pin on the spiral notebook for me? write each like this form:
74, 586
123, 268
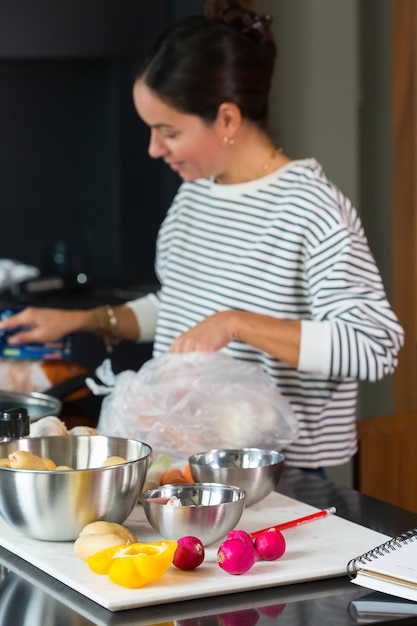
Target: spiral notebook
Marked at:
390, 567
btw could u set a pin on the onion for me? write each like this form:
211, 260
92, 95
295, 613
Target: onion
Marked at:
236, 556
270, 545
189, 553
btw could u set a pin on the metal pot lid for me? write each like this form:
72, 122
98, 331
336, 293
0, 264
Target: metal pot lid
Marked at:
37, 404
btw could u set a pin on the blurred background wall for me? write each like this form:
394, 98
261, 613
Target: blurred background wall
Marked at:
332, 101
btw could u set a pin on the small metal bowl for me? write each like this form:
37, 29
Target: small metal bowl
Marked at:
55, 505
206, 511
255, 470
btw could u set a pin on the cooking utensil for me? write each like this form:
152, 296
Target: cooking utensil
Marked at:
255, 470
42, 404
206, 511
55, 505
37, 404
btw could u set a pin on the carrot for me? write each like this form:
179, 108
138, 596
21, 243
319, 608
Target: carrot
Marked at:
187, 473
173, 476
156, 469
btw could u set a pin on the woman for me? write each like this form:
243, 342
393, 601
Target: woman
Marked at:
259, 256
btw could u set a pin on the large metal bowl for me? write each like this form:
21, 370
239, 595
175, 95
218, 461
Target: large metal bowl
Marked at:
255, 470
55, 505
206, 511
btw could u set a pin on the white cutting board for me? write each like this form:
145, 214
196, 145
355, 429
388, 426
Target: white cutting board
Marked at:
319, 549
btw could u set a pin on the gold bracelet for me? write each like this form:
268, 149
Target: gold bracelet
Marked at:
107, 326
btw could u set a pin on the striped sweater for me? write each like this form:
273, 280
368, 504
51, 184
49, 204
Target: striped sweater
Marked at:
288, 245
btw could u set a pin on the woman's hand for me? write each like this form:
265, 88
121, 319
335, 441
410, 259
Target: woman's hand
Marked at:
40, 325
279, 338
210, 335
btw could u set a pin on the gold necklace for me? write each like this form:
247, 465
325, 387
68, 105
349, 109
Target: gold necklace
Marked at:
265, 167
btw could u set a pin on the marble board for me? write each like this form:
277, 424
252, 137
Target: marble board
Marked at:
316, 550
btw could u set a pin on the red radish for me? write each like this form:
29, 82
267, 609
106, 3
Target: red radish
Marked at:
242, 535
272, 610
189, 553
270, 545
236, 557
244, 617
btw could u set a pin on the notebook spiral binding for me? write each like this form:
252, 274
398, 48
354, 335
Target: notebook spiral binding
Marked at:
389, 546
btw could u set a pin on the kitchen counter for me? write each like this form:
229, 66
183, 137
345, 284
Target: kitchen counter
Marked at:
40, 600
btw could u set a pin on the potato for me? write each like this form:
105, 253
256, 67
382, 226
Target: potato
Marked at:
113, 460
23, 459
82, 430
4, 462
50, 464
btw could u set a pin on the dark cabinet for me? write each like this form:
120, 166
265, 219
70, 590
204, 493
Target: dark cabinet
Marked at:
74, 168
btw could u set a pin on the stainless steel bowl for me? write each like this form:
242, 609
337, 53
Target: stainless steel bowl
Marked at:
206, 511
255, 470
55, 505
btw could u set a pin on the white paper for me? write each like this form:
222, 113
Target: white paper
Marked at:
392, 572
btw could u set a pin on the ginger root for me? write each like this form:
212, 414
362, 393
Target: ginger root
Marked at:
99, 535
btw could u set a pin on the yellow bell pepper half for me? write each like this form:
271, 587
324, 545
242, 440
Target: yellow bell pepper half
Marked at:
135, 564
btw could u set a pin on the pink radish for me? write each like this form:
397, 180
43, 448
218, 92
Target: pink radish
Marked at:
236, 556
189, 553
244, 617
242, 535
270, 545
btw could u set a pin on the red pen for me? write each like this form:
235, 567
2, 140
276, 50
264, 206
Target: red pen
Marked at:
296, 522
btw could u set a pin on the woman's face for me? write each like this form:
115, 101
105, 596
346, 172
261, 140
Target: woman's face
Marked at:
187, 144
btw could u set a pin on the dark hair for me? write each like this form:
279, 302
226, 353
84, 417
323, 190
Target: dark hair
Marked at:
226, 55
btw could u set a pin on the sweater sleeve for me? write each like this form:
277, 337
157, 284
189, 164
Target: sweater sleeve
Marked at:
354, 330
315, 348
145, 310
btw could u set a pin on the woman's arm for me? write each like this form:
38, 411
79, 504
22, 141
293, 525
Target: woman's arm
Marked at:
133, 321
279, 338
40, 325
364, 348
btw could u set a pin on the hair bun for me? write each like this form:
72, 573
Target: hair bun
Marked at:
242, 19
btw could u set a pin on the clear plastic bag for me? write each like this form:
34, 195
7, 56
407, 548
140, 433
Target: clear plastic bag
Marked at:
181, 404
